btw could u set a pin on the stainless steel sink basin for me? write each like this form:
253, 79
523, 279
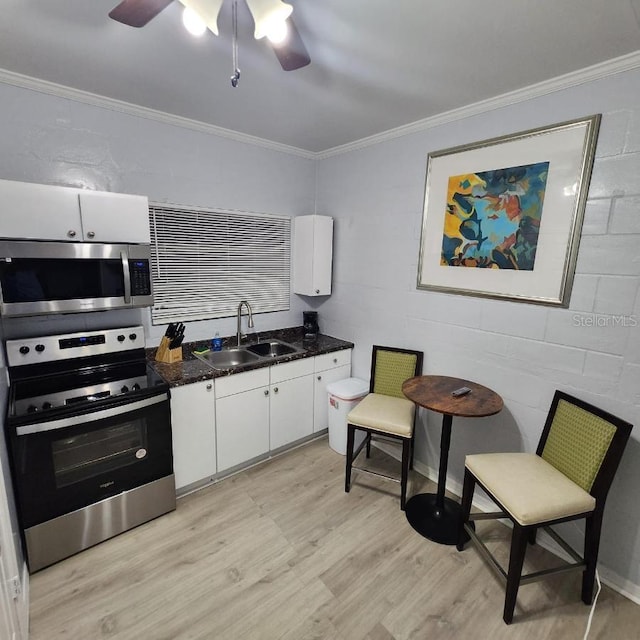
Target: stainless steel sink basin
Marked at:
271, 349
227, 358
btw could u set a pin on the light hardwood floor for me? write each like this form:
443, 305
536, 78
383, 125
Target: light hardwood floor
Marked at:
281, 552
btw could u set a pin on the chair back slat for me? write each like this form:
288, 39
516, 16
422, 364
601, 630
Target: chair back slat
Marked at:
584, 442
577, 443
391, 368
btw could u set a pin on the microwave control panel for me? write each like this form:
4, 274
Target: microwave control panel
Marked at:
140, 277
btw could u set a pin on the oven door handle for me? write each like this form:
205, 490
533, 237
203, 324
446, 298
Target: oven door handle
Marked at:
124, 256
72, 421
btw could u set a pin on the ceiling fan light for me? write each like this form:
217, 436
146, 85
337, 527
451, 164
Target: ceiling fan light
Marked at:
278, 32
193, 23
207, 10
266, 14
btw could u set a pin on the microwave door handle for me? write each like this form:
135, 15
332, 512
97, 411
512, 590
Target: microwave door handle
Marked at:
127, 276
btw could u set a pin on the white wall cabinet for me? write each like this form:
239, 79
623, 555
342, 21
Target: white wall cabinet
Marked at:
47, 212
114, 217
312, 255
193, 423
242, 417
290, 415
329, 367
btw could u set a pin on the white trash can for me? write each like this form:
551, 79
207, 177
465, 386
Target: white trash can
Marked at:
343, 396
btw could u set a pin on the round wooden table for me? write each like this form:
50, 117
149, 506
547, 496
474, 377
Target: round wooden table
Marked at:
432, 514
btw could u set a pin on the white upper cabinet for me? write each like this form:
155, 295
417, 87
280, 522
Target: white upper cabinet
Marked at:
114, 217
39, 212
45, 212
312, 255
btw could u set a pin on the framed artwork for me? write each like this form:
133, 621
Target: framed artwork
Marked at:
502, 217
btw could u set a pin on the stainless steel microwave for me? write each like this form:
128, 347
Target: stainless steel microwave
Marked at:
67, 277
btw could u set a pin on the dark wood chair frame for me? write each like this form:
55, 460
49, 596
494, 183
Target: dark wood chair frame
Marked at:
513, 577
407, 443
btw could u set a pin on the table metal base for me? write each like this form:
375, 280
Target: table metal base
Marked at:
440, 524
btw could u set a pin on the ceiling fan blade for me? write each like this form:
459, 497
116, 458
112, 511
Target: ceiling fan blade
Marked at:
136, 13
291, 53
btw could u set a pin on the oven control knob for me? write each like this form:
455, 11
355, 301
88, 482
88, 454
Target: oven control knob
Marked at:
32, 408
124, 389
39, 348
120, 338
132, 336
135, 387
24, 350
46, 405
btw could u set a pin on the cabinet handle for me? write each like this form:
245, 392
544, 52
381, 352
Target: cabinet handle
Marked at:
319, 377
275, 390
335, 361
209, 387
317, 290
91, 234
71, 233
266, 392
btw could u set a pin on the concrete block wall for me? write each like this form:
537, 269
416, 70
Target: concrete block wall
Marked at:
523, 351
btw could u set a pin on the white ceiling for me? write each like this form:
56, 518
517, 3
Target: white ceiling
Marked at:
375, 65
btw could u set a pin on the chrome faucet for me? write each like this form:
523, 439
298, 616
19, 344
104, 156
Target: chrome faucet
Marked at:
249, 324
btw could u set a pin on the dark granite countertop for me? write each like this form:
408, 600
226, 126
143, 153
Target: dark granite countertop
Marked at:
192, 369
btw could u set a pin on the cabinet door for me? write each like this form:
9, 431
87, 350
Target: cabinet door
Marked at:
114, 217
291, 416
312, 255
320, 395
322, 255
242, 422
39, 211
194, 434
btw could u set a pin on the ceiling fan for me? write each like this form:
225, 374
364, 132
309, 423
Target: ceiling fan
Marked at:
272, 19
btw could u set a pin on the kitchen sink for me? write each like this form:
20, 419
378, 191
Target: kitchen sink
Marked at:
271, 349
227, 358
236, 357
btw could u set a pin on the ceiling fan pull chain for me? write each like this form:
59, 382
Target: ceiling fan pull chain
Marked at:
235, 78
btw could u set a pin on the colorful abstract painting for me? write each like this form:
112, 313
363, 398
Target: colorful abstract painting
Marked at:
493, 218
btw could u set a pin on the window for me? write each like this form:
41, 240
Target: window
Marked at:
204, 262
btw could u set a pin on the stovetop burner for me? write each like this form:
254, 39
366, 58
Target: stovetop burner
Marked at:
66, 373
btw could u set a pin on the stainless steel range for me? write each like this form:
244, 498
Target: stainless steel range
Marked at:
89, 431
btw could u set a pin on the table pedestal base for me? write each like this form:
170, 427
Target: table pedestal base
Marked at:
440, 524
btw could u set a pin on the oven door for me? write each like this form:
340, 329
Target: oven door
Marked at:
72, 462
62, 277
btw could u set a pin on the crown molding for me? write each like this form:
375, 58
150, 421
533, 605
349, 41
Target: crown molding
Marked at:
93, 99
589, 74
611, 67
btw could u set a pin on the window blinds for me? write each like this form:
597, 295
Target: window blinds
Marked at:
205, 262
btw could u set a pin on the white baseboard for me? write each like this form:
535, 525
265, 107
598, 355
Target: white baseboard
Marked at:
616, 582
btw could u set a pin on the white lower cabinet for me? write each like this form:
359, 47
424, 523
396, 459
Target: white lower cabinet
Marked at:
218, 425
290, 415
329, 367
194, 432
242, 417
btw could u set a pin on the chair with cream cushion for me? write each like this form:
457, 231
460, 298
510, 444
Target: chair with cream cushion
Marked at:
568, 478
385, 411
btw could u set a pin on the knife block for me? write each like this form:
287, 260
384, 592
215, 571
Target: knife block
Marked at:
164, 354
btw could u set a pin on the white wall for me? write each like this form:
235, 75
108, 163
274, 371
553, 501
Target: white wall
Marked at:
53, 140
522, 351
12, 560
